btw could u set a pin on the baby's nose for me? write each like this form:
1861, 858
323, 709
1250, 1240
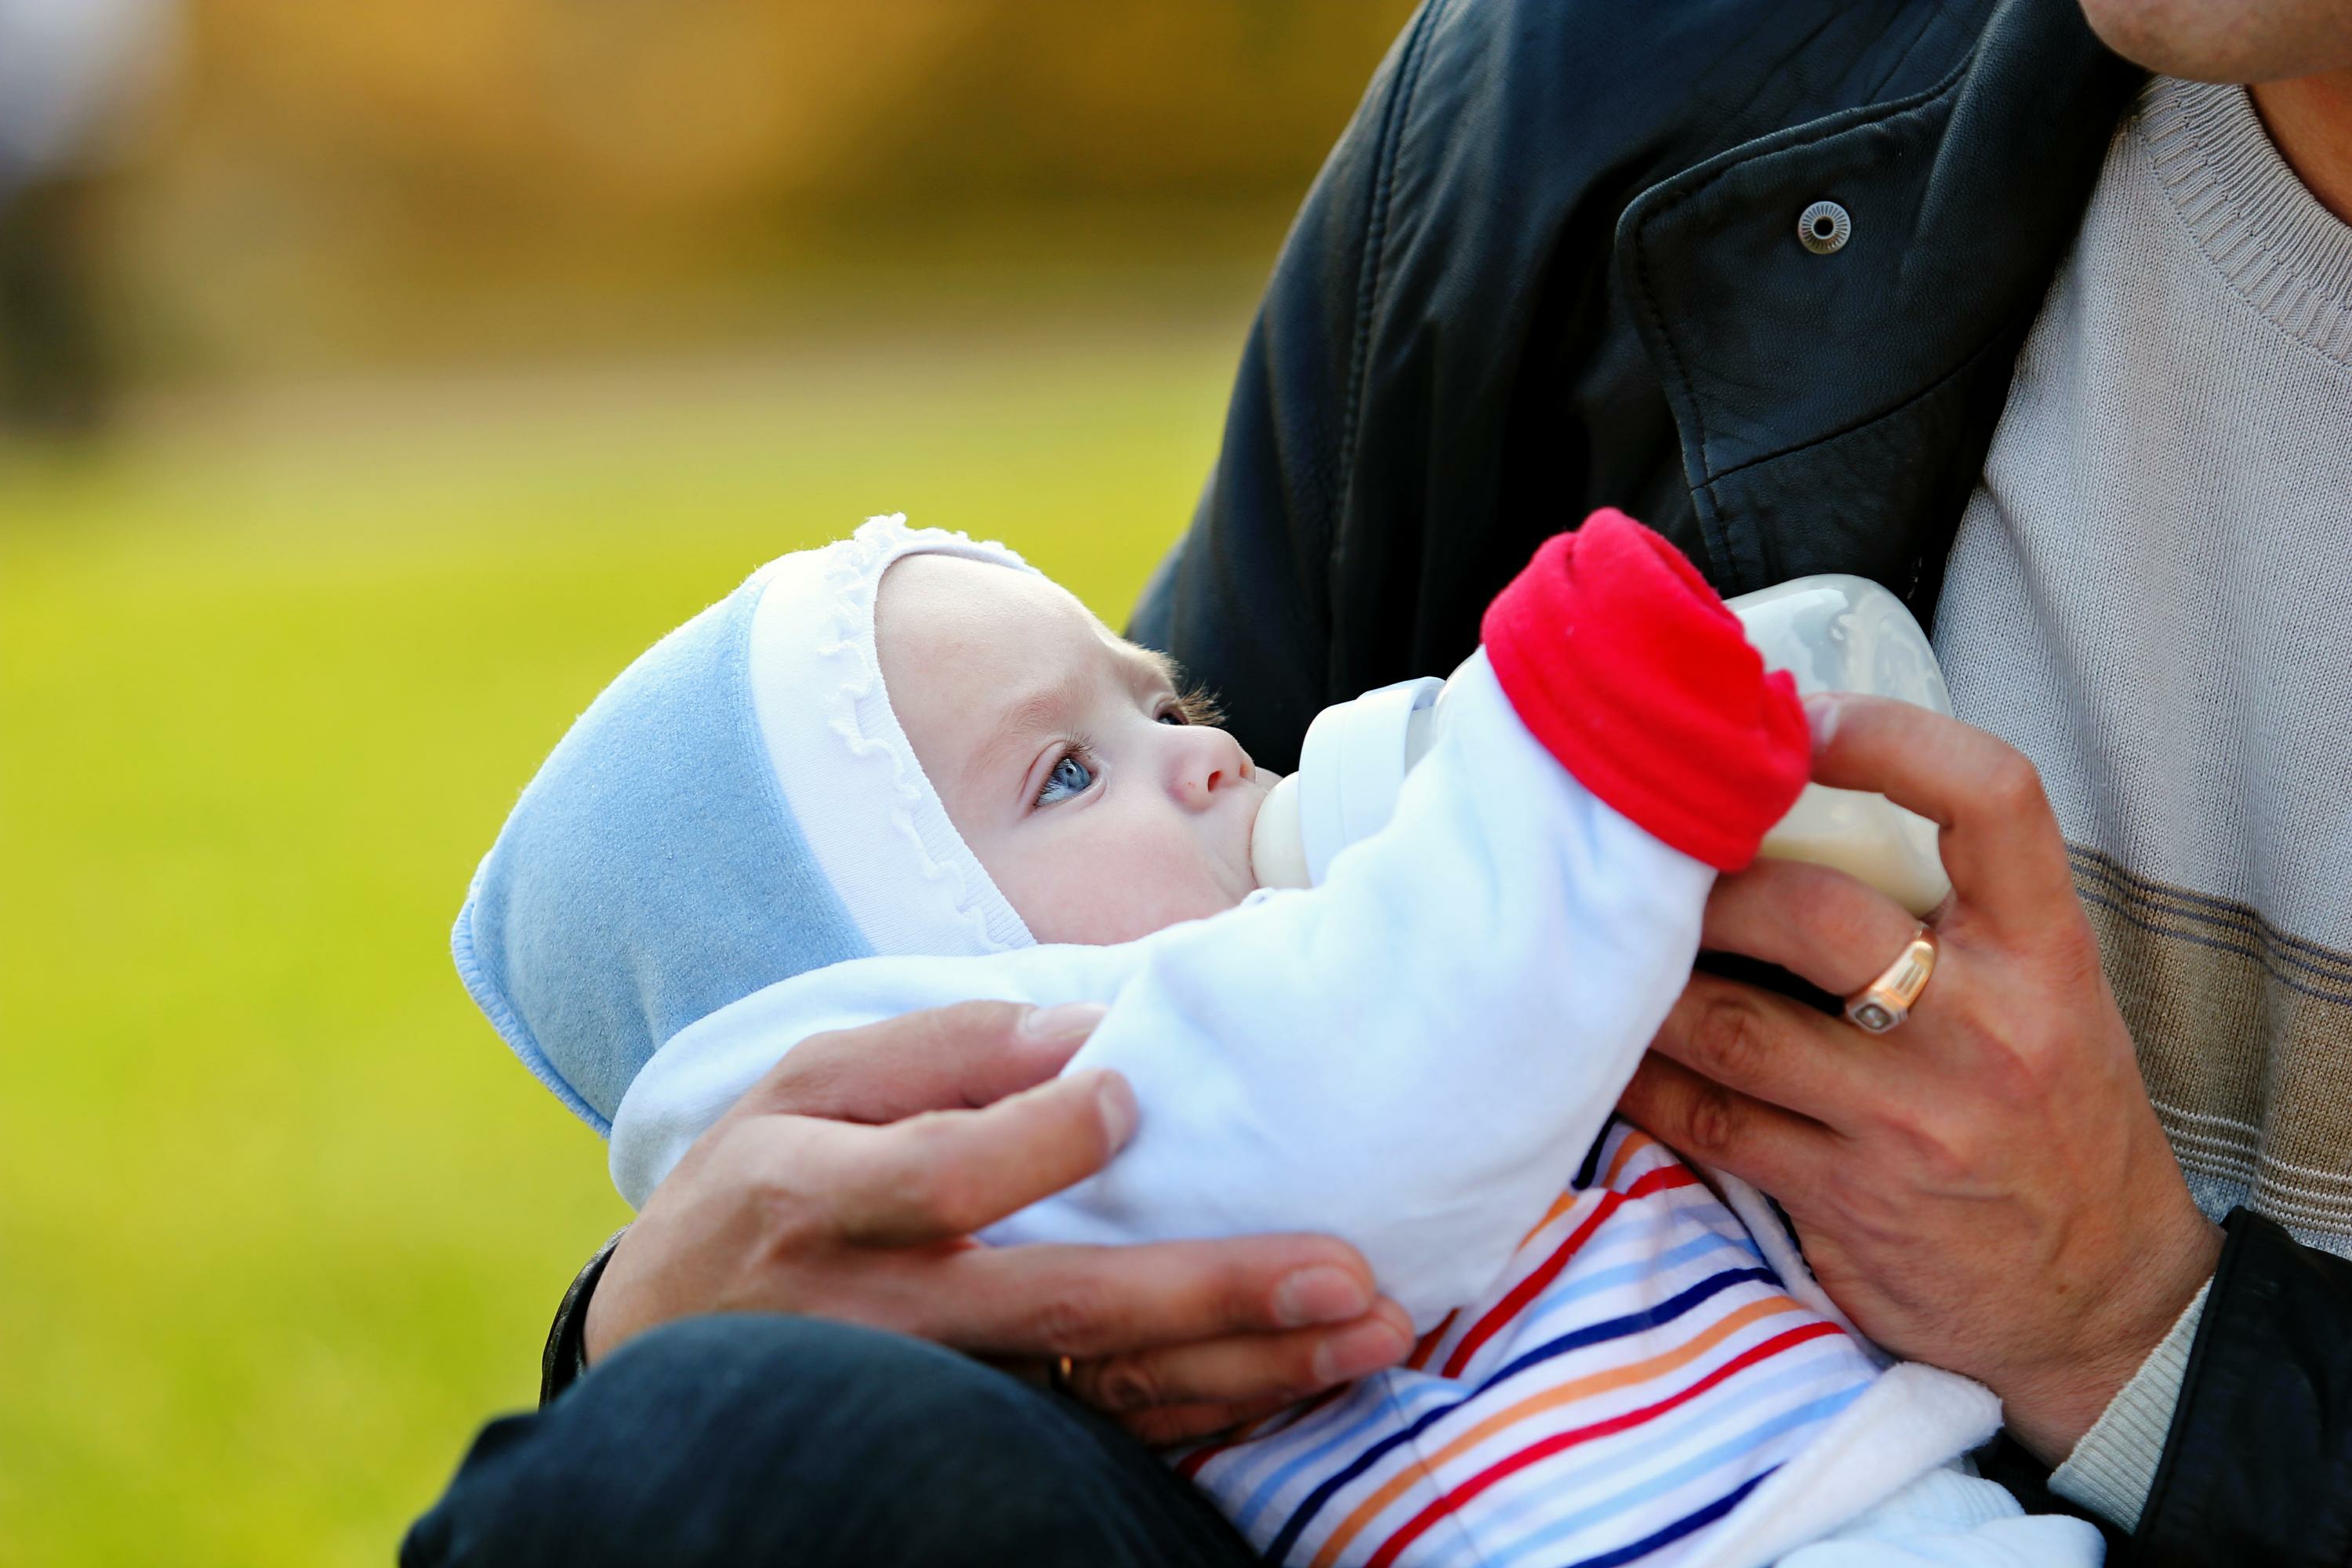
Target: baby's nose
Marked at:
1212, 761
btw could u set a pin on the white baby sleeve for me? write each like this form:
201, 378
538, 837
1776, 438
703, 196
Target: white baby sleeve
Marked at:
1414, 1055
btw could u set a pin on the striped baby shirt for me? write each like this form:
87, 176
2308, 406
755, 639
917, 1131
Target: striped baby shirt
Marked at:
1634, 1375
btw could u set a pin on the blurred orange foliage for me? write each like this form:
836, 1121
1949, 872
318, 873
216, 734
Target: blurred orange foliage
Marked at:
703, 107
351, 181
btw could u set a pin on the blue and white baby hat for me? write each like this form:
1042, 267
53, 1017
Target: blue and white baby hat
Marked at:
738, 807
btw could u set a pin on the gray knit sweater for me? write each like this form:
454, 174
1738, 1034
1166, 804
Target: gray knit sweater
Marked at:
2151, 595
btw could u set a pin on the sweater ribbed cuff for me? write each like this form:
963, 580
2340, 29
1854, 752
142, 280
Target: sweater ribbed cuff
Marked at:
2112, 1467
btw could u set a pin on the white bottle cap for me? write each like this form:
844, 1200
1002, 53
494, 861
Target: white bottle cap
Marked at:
1351, 767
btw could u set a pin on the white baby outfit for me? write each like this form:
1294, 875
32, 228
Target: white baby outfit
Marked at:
1623, 1360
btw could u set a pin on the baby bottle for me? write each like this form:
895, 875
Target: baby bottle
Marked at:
1832, 633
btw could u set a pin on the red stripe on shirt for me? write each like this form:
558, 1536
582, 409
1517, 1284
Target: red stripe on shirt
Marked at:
1502, 1469
1528, 1289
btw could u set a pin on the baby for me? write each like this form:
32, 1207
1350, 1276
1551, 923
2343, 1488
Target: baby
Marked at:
906, 769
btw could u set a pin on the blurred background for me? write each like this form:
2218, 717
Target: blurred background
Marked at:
376, 381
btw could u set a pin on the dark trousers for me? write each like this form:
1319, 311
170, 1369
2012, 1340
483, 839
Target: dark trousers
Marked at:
750, 1440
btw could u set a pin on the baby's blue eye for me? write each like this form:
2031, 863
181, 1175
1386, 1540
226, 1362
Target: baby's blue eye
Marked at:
1070, 776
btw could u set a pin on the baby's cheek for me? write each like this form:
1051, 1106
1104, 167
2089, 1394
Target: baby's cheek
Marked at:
1069, 898
1172, 885
1112, 891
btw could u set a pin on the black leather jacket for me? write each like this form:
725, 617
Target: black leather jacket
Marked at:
1554, 264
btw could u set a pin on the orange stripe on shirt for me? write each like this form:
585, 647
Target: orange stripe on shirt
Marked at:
1536, 1404
1635, 1141
1534, 1285
1453, 1501
1559, 1205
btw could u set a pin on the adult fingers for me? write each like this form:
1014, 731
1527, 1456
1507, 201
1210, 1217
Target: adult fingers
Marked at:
1810, 1069
1778, 1150
942, 1175
1097, 1302
1999, 843
1246, 1367
944, 1058
1814, 922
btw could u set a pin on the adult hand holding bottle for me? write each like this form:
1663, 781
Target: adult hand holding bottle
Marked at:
1986, 1187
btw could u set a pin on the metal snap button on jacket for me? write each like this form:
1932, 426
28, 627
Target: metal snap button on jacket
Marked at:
1825, 227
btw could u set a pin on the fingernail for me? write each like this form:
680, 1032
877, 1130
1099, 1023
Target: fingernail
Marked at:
1822, 717
1322, 1294
1359, 1350
1069, 1021
1118, 1109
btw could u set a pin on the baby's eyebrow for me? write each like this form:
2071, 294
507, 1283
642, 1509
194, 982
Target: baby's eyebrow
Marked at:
1037, 713
1056, 707
1162, 669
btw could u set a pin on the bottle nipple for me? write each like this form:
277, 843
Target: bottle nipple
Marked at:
1277, 847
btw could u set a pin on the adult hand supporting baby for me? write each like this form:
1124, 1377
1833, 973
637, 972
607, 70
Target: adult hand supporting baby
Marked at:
848, 1183
1986, 1188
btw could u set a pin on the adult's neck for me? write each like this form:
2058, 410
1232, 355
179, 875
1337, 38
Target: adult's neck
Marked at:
2310, 119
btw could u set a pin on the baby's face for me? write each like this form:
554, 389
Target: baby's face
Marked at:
1062, 753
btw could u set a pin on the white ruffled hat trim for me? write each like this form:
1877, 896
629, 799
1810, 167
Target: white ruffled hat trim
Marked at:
874, 824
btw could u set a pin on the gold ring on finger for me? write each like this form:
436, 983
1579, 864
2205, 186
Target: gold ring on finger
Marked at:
1885, 1002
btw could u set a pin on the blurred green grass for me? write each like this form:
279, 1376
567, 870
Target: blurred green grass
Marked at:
284, 1223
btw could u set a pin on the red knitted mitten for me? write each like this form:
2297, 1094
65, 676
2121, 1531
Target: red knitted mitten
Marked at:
1622, 660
